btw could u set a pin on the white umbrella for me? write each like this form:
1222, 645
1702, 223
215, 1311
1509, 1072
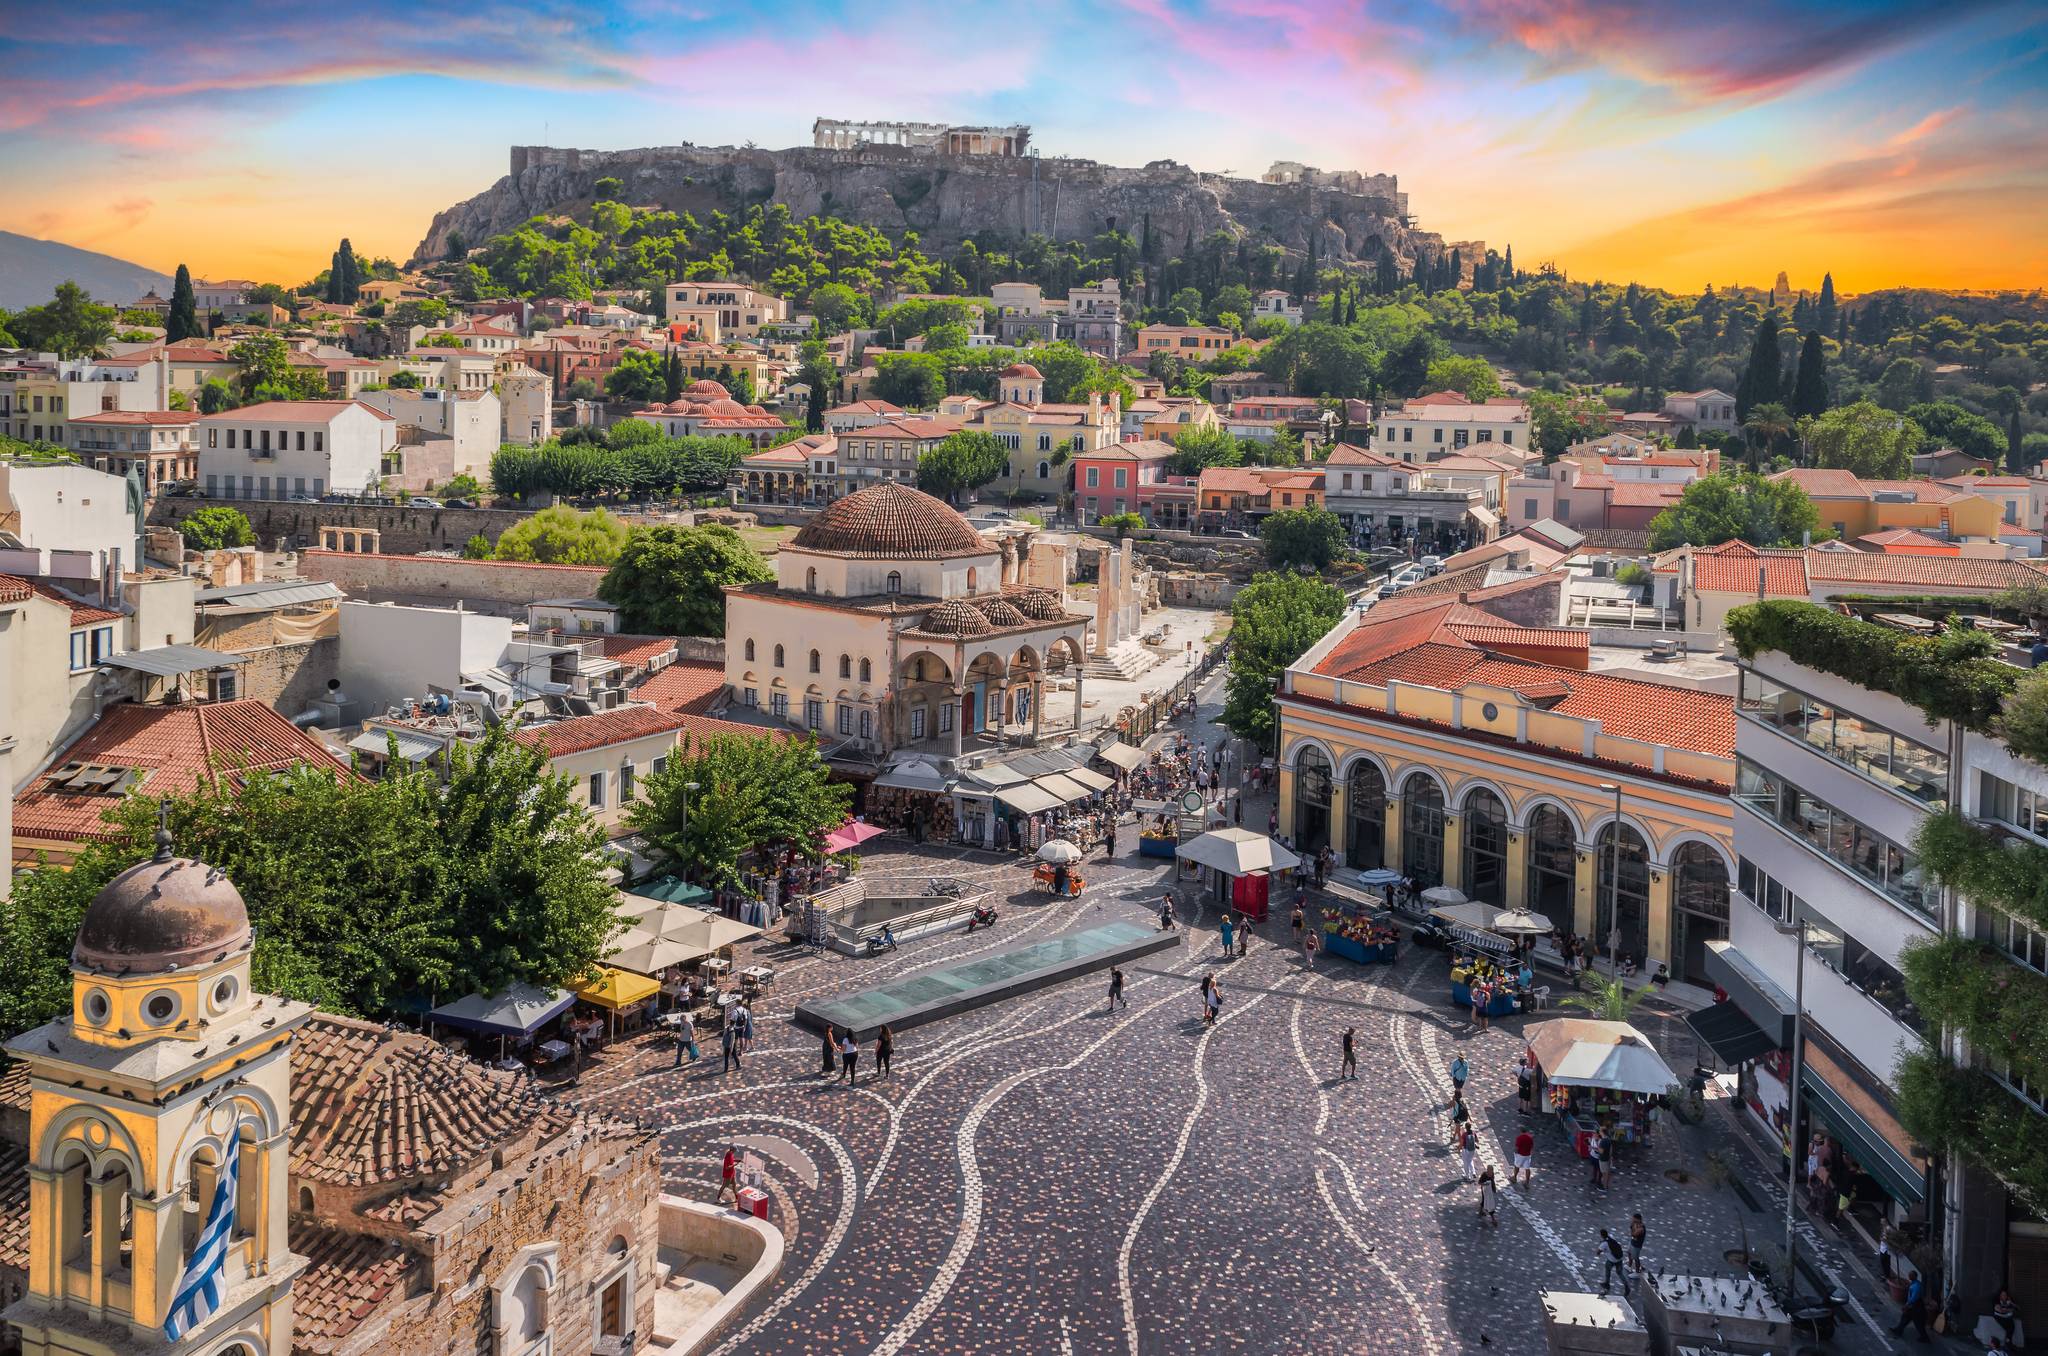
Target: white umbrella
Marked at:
1516, 921
1443, 894
1059, 852
1237, 852
653, 956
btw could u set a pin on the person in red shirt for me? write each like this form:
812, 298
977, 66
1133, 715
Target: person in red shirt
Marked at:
731, 1180
1525, 1152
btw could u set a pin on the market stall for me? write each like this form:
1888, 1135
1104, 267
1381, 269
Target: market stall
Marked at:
1497, 985
1055, 871
619, 992
1597, 1075
1237, 866
513, 1015
1354, 936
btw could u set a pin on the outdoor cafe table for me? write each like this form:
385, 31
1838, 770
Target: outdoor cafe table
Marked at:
548, 1052
760, 974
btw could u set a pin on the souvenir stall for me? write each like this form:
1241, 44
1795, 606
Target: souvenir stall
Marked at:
1058, 868
913, 797
1597, 1075
1359, 936
1235, 867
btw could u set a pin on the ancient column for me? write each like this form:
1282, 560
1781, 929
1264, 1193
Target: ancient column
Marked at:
959, 715
1077, 698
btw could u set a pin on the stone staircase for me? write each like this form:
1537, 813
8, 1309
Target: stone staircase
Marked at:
1127, 662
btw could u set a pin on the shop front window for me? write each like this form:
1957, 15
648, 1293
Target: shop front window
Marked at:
1365, 802
1422, 830
1311, 800
1486, 847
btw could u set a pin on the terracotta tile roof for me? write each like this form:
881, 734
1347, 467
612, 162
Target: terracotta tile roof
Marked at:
174, 747
865, 407
1140, 449
1347, 455
1960, 482
580, 734
1975, 573
1905, 536
82, 613
891, 521
1635, 494
374, 1104
925, 429
138, 417
703, 727
347, 1277
1732, 568
295, 411
1923, 491
1439, 398
15, 590
13, 1206
684, 689
634, 651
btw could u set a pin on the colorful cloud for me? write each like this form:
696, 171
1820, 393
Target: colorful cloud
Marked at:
1885, 141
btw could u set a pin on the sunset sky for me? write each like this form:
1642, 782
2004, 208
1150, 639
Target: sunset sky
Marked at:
1672, 144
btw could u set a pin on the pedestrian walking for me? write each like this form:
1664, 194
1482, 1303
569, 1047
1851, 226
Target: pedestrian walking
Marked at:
1166, 912
1481, 995
1636, 1234
1468, 1153
1297, 921
831, 1051
1611, 1263
1525, 1157
1913, 1310
1116, 988
686, 1039
1226, 934
1349, 1068
849, 1059
1460, 1071
885, 1046
1238, 809
1308, 948
1244, 937
1596, 1146
1525, 1090
1489, 1199
729, 1041
729, 1177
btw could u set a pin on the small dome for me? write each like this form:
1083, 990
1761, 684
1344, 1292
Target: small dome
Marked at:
756, 409
725, 406
171, 912
706, 389
955, 617
1001, 612
656, 408
1038, 605
894, 521
1022, 370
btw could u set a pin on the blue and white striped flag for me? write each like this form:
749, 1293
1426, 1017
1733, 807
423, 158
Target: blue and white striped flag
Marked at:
199, 1289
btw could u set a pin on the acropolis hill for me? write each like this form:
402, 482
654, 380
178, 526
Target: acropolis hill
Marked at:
950, 183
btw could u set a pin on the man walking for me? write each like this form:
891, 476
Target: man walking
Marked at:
1525, 1156
1349, 1069
729, 1177
1460, 1071
1166, 912
729, 1041
1611, 1264
1636, 1234
686, 1039
1116, 988
1914, 1310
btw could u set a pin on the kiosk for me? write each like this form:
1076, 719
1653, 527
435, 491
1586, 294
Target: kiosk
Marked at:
1597, 1074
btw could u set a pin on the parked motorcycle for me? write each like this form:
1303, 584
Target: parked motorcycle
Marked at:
984, 917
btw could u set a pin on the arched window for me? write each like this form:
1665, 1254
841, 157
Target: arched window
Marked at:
846, 666
1623, 898
1486, 847
970, 578
305, 1200
1311, 800
1365, 806
1699, 890
1422, 830
1552, 846
750, 651
814, 661
867, 671
811, 580
1045, 470
895, 582
778, 656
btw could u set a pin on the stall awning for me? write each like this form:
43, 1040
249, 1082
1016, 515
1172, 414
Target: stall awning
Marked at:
1066, 789
1122, 755
1750, 989
1893, 1171
1089, 778
1581, 1052
614, 988
1237, 852
994, 775
669, 890
1028, 799
519, 1011
1728, 1031
1482, 515
917, 775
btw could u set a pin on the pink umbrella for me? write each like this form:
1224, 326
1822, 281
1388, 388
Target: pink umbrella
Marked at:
849, 836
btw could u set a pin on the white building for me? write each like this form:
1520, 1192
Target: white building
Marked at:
41, 393
1708, 411
733, 310
1274, 304
68, 523
283, 448
471, 420
1424, 431
526, 404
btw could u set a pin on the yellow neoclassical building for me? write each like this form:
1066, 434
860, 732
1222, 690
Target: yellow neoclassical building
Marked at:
1459, 747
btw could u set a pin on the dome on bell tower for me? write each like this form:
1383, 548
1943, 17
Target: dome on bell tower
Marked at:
168, 913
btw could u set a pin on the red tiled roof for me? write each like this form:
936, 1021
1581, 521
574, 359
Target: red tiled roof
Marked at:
175, 746
1820, 483
683, 688
1439, 398
14, 1199
15, 590
1905, 536
347, 1277
1635, 494
580, 734
1732, 568
906, 428
703, 727
82, 613
1347, 455
1960, 482
138, 417
635, 651
1976, 573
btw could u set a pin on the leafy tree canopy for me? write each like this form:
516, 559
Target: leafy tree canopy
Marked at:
916, 381
1294, 538
1274, 620
670, 581
1196, 449
1865, 438
962, 461
1472, 378
564, 536
1741, 506
751, 791
71, 324
1943, 423
217, 528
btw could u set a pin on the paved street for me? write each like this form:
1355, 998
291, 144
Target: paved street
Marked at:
1045, 1175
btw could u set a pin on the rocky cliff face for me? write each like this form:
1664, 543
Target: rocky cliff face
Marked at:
943, 198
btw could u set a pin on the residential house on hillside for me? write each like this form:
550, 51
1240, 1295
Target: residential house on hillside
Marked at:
718, 311
1109, 479
1855, 507
156, 444
1238, 498
1425, 429
282, 448
1708, 411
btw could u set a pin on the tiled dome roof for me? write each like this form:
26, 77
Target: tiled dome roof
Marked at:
955, 618
756, 409
1038, 605
706, 389
167, 913
1022, 370
1001, 612
894, 521
726, 406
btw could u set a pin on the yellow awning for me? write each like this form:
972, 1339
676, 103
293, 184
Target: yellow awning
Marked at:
614, 988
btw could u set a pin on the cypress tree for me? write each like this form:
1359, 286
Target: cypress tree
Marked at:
183, 321
1761, 378
1826, 310
1810, 387
1456, 273
2013, 460
332, 292
672, 375
1509, 259
1387, 277
348, 283
814, 408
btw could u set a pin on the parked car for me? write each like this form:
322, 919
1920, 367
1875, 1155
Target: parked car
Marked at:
1432, 565
421, 501
1233, 534
303, 499
461, 503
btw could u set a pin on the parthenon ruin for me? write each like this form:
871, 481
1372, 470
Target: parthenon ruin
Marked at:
838, 134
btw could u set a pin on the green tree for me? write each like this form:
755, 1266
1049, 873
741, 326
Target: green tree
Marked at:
638, 377
216, 528
946, 338
1123, 524
1321, 359
1557, 421
1743, 506
1196, 449
1472, 378
266, 373
1810, 386
1943, 423
1311, 537
1905, 382
750, 791
1762, 375
71, 324
670, 581
838, 308
962, 461
1826, 312
1867, 439
916, 381
1274, 620
1765, 426
478, 547
1066, 368
183, 320
404, 381
1609, 1000
564, 536
216, 395
423, 311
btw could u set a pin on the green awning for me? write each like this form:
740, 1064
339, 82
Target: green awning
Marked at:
669, 890
1898, 1175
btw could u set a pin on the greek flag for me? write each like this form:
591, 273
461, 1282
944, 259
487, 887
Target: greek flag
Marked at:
199, 1289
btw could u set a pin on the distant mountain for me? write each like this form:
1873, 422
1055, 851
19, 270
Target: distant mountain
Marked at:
30, 270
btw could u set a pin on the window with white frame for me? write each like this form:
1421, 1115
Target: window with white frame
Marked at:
597, 790
778, 705
917, 722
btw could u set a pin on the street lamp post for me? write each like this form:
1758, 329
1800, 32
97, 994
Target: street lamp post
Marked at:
1797, 930
1613, 884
